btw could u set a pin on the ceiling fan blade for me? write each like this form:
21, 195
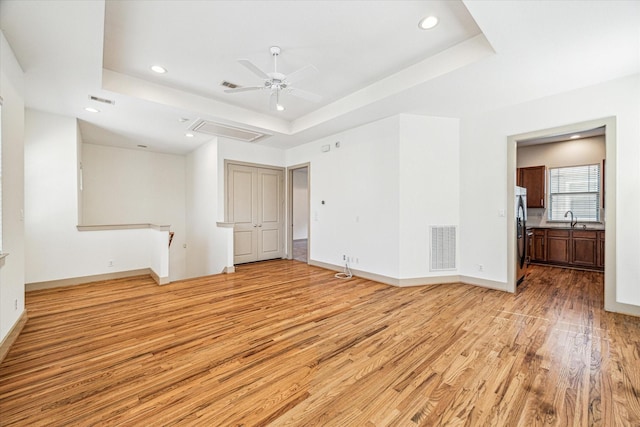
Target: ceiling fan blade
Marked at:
254, 69
309, 96
243, 89
301, 74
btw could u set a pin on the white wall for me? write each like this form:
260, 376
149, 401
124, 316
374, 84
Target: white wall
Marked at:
358, 183
300, 204
484, 175
206, 243
577, 152
12, 268
429, 188
386, 184
54, 248
123, 186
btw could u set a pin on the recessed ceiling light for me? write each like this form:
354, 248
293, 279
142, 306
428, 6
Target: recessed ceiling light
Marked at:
142, 146
576, 136
428, 23
92, 110
188, 135
158, 69
279, 107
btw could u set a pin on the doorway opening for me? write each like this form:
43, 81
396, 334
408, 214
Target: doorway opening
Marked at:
299, 230
550, 149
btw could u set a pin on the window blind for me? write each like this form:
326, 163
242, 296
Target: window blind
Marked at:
575, 189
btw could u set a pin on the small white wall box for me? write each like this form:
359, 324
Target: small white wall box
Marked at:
325, 148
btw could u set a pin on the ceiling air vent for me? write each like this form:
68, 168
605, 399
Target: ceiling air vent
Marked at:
217, 129
229, 84
103, 100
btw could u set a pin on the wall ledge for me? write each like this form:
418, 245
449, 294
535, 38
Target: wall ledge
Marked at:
12, 336
225, 224
4, 255
105, 227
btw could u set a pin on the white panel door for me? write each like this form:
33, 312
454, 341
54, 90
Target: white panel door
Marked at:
242, 211
270, 213
256, 207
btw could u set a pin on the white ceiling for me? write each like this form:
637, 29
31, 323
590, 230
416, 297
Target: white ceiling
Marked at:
372, 61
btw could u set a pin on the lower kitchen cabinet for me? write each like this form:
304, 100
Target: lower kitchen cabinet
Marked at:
537, 247
568, 248
558, 245
584, 248
600, 249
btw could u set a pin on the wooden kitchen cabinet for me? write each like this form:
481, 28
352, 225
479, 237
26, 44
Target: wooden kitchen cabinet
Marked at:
584, 248
534, 180
600, 262
537, 247
558, 246
568, 248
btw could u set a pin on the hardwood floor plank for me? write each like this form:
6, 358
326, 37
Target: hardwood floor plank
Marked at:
283, 343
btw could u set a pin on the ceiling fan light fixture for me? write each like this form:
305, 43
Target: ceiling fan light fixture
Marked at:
275, 81
428, 22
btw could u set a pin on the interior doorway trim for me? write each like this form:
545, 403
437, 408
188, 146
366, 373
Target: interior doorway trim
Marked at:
610, 303
290, 171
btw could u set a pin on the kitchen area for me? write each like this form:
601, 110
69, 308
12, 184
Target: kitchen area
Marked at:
560, 183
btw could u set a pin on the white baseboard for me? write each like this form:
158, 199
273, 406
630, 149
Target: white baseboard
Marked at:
159, 280
12, 336
484, 283
417, 281
86, 279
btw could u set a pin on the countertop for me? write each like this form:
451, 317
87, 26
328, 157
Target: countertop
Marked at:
595, 227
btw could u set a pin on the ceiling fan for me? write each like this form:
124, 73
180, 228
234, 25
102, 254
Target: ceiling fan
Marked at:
277, 82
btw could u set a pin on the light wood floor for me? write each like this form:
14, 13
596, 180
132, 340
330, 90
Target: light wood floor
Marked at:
284, 343
300, 250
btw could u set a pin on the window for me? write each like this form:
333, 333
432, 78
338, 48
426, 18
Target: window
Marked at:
575, 189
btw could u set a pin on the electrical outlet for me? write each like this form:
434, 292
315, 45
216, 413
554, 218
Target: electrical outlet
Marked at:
480, 267
344, 257
15, 304
110, 263
357, 260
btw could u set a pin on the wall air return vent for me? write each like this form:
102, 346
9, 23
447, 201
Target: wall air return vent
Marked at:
217, 129
443, 248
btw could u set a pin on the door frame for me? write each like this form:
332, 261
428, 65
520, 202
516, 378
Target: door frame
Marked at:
290, 171
610, 303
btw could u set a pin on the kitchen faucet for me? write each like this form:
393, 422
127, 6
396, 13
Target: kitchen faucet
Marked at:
573, 223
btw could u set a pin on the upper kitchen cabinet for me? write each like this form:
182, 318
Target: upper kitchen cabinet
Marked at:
534, 180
